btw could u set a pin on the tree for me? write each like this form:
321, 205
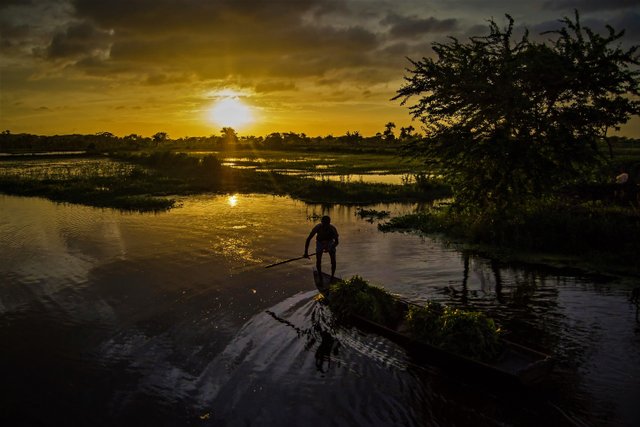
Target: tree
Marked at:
388, 131
159, 137
508, 120
405, 132
229, 135
274, 140
352, 137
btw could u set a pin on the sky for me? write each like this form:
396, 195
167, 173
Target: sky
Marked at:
317, 67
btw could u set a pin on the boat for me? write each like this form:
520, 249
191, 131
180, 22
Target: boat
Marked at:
515, 364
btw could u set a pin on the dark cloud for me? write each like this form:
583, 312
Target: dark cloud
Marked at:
589, 5
477, 30
163, 41
396, 49
412, 26
195, 15
6, 3
222, 37
9, 30
26, 27
630, 22
79, 40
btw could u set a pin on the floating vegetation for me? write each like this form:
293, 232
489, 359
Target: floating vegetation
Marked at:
466, 333
371, 214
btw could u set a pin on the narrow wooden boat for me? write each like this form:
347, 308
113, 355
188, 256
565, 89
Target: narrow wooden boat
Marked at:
516, 363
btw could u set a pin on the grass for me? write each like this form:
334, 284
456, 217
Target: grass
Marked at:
582, 226
146, 181
355, 296
466, 333
371, 214
321, 162
604, 237
126, 188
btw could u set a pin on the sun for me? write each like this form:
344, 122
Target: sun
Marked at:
231, 112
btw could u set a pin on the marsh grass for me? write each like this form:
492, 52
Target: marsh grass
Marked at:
311, 190
100, 184
605, 235
326, 162
371, 214
145, 181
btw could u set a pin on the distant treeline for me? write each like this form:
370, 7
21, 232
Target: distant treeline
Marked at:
108, 142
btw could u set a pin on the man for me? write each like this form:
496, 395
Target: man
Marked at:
326, 241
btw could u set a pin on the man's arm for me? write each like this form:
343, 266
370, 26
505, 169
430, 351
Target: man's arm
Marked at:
335, 240
306, 244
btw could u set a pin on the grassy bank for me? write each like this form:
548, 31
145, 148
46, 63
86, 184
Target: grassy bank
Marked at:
589, 235
146, 182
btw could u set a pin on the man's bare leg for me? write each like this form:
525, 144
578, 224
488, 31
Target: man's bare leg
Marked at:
319, 265
333, 265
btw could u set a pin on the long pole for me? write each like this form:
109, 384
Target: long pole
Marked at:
289, 260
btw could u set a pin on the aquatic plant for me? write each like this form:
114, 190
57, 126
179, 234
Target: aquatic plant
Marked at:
371, 214
601, 234
424, 322
356, 296
467, 333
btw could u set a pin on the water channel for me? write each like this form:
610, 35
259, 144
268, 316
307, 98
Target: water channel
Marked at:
111, 318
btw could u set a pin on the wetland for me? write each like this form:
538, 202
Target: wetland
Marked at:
170, 318
140, 276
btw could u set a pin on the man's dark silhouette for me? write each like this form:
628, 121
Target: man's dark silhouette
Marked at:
326, 241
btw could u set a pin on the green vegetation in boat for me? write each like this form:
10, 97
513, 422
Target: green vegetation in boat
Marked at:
356, 296
466, 333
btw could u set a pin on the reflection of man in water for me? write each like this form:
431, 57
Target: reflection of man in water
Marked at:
326, 241
328, 346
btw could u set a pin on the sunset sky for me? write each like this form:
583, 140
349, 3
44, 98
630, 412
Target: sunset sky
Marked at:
314, 66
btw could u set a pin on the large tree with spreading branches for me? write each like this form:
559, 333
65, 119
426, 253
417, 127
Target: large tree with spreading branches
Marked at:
510, 118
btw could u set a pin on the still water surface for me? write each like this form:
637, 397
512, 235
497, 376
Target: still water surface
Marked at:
110, 318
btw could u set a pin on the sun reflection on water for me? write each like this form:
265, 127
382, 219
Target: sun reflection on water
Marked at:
233, 200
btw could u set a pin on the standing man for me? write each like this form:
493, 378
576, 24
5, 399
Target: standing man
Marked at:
326, 241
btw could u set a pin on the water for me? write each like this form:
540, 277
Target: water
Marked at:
110, 318
323, 169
